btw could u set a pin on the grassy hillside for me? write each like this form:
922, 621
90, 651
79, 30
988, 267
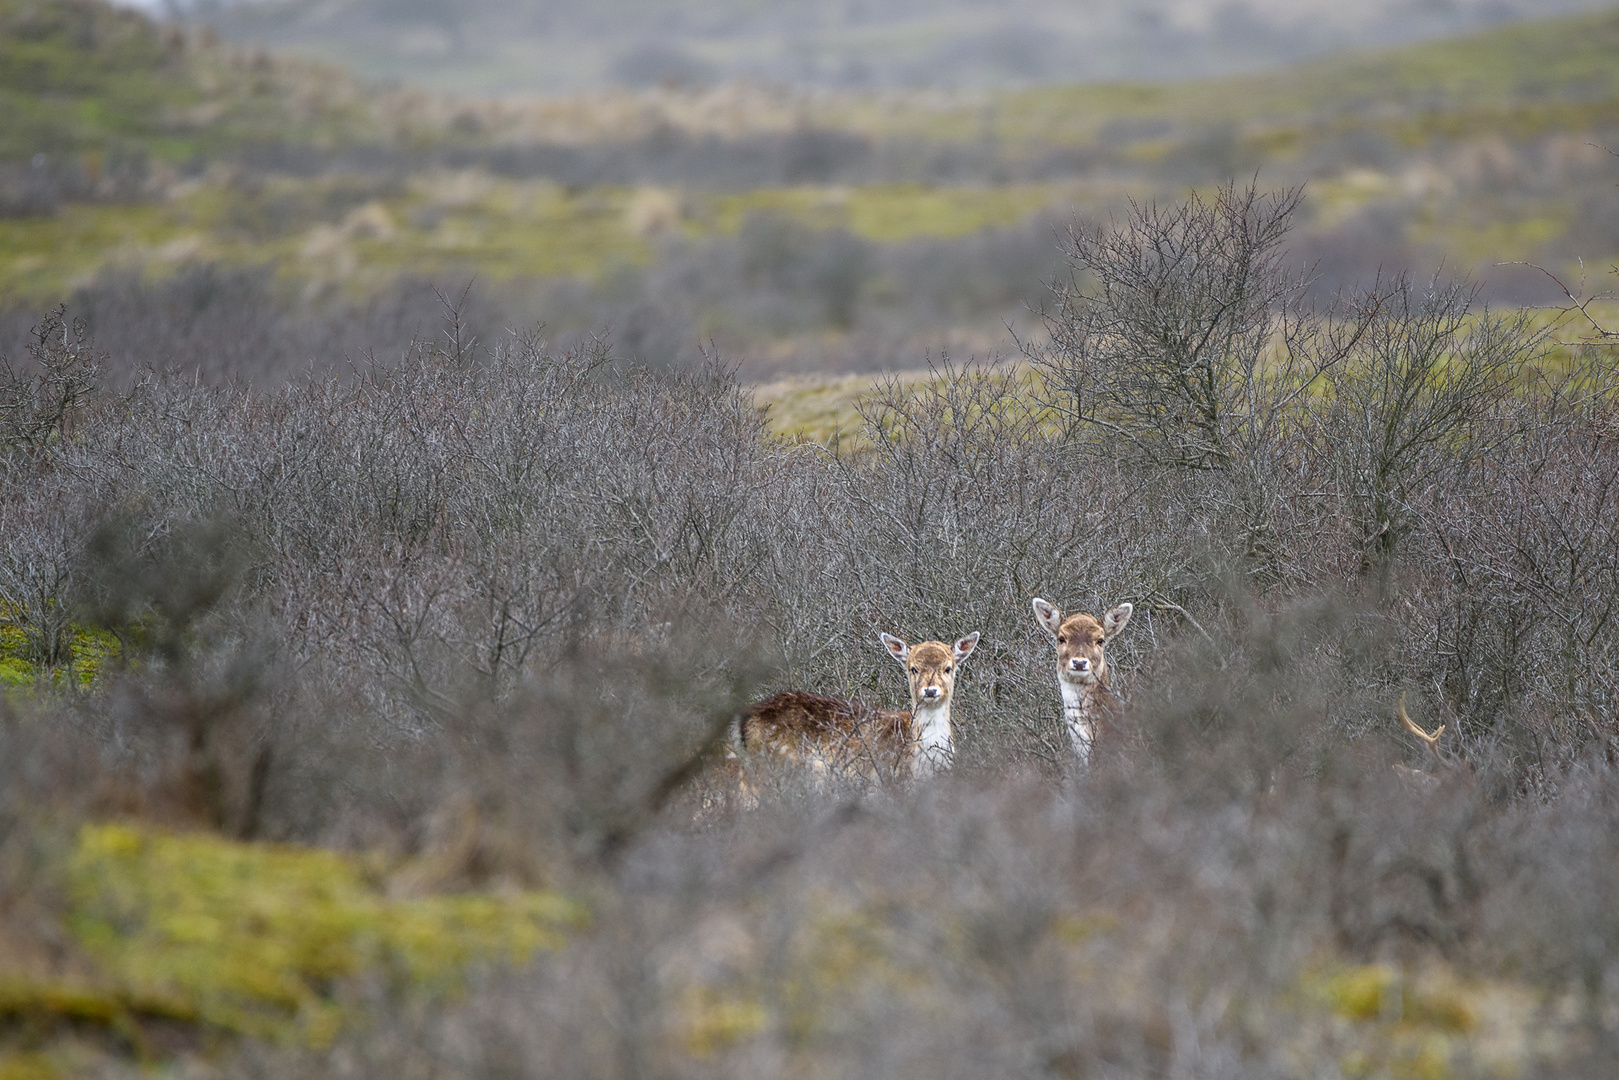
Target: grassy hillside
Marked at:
815, 230
86, 77
83, 75
1512, 81
187, 950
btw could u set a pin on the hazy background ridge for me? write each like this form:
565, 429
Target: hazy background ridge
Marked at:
153, 169
484, 46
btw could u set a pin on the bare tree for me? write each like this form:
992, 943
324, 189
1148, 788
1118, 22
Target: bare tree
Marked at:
40, 401
1413, 400
1183, 336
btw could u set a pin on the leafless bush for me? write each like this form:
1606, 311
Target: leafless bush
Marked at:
185, 689
39, 183
237, 324
585, 755
44, 515
233, 323
1184, 336
37, 565
1525, 542
1413, 403
1547, 914
40, 401
1168, 349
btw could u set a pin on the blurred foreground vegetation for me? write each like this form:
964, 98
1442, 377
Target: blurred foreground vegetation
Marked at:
226, 939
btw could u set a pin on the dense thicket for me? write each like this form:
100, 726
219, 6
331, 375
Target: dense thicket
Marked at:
530, 587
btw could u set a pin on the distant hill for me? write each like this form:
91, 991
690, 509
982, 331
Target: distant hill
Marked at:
102, 103
138, 152
1511, 82
552, 46
81, 76
85, 75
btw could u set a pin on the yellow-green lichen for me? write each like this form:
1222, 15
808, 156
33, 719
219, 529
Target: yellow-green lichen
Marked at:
89, 650
1381, 991
1393, 1022
29, 1066
257, 938
715, 1020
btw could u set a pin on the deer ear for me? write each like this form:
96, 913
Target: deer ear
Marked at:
1115, 619
896, 648
964, 648
1048, 615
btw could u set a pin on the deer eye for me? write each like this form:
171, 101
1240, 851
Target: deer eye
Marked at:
1061, 640
913, 671
1100, 640
948, 670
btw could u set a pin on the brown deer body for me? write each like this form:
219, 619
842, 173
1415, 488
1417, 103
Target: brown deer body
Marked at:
1089, 705
831, 734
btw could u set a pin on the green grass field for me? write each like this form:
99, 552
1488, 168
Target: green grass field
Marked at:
446, 224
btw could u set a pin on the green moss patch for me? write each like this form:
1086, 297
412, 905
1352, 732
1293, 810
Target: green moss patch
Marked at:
1381, 991
886, 212
90, 650
259, 939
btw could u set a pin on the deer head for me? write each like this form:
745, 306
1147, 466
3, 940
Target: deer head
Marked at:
931, 667
1081, 639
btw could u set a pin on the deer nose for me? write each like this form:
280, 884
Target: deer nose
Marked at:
930, 692
1079, 663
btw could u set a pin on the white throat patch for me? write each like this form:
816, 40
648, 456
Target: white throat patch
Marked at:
1077, 718
935, 750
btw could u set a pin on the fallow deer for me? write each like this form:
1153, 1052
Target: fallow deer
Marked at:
1420, 779
1089, 705
831, 734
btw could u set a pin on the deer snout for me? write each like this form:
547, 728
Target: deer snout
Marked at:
1079, 663
931, 693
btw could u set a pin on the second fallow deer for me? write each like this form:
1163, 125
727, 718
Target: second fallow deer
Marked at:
1088, 702
846, 737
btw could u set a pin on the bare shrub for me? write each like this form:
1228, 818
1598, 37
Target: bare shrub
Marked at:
45, 502
187, 702
1183, 336
1548, 914
1160, 337
584, 756
40, 401
1413, 402
1526, 543
43, 522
